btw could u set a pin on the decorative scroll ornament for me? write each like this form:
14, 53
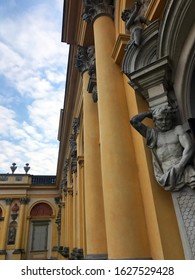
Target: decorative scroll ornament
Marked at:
96, 8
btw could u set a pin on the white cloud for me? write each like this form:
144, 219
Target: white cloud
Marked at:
32, 61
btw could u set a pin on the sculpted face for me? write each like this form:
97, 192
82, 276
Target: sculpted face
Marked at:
164, 122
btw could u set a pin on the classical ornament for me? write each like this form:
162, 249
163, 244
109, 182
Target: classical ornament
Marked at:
81, 59
76, 125
134, 23
12, 233
3, 178
85, 61
8, 201
96, 8
65, 177
77, 254
73, 147
26, 168
92, 86
172, 148
13, 167
24, 200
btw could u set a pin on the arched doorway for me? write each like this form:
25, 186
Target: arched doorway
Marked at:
40, 233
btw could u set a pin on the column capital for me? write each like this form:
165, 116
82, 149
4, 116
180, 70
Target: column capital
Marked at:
81, 59
8, 200
95, 8
76, 125
24, 200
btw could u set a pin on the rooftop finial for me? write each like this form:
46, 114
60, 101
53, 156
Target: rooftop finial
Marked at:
26, 168
13, 167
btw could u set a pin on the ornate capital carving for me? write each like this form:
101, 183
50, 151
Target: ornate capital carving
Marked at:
24, 200
8, 201
92, 86
76, 125
96, 8
81, 59
73, 146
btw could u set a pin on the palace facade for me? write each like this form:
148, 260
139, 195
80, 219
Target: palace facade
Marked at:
112, 205
28, 217
125, 57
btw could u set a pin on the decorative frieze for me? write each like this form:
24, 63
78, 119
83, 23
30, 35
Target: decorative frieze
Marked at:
96, 8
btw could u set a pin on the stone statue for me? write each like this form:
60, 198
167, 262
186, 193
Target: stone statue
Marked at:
134, 22
11, 235
172, 148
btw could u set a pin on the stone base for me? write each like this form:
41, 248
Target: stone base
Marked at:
96, 257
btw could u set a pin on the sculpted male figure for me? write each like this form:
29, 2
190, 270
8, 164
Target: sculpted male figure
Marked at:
134, 22
172, 148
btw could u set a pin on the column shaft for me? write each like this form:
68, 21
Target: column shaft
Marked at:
94, 208
3, 238
125, 224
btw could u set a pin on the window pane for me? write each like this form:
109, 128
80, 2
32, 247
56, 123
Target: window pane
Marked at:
39, 236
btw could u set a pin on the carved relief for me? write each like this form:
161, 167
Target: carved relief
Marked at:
172, 148
81, 59
95, 8
85, 61
92, 86
12, 233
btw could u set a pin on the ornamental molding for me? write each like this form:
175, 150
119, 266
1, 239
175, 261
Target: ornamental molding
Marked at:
136, 58
96, 8
175, 25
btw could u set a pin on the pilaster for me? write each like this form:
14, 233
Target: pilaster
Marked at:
20, 232
3, 239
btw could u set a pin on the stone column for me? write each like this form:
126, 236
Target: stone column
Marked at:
70, 218
96, 247
21, 230
3, 238
122, 199
81, 206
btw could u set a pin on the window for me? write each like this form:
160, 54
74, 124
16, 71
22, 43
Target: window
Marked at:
39, 235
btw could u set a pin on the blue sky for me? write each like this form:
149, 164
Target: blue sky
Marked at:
33, 63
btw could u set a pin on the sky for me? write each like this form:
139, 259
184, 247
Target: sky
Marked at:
33, 63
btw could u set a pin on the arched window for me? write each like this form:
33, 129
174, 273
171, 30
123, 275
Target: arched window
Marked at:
40, 214
41, 209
